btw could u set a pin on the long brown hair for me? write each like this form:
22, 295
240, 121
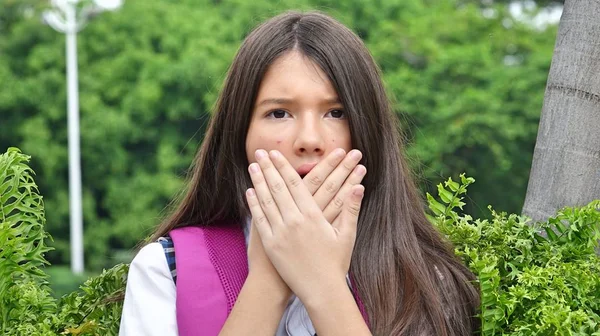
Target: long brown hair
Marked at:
406, 273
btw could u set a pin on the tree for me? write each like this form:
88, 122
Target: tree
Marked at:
469, 91
150, 72
566, 159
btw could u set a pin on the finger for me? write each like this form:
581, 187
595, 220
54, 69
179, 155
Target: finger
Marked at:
334, 208
348, 219
259, 220
277, 187
335, 180
265, 199
301, 196
319, 173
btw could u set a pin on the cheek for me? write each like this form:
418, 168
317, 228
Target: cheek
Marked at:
275, 143
284, 146
253, 142
266, 142
342, 140
263, 142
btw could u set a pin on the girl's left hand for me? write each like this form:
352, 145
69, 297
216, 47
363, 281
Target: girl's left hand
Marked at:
310, 254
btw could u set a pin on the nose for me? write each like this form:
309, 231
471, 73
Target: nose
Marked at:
309, 137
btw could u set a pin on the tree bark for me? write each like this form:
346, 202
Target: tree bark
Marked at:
566, 160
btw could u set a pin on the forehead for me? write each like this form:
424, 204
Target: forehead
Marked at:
295, 76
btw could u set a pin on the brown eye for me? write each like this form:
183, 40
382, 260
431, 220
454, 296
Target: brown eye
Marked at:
337, 114
278, 114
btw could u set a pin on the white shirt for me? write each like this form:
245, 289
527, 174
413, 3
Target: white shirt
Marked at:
149, 306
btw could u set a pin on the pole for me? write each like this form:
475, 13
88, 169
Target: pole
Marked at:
76, 215
63, 18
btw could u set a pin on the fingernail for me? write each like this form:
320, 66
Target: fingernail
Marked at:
253, 168
274, 154
260, 153
250, 192
360, 170
339, 153
355, 154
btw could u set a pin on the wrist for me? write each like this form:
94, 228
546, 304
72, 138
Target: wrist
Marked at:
326, 294
336, 312
271, 287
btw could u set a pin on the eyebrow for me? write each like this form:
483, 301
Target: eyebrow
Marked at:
283, 101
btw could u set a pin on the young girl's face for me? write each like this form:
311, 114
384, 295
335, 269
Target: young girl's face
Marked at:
297, 112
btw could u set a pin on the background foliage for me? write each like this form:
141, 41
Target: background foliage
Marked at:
468, 82
535, 279
26, 304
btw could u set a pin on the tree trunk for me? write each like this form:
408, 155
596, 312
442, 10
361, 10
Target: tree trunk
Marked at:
566, 161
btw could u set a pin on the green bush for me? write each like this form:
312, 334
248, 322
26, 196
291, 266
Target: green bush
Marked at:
531, 283
62, 280
26, 304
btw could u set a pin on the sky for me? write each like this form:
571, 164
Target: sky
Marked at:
528, 11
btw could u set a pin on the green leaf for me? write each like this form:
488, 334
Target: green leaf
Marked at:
444, 194
452, 185
435, 206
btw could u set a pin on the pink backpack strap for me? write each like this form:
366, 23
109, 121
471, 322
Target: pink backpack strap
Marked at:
212, 265
359, 303
226, 246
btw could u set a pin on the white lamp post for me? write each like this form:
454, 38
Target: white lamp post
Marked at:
69, 17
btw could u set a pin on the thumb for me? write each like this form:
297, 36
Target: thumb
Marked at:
348, 219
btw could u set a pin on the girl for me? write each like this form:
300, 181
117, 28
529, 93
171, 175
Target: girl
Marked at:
281, 230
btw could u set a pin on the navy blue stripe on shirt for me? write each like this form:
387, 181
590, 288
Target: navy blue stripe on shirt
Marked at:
169, 249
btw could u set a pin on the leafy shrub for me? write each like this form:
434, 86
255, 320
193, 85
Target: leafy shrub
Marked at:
24, 295
26, 304
63, 281
531, 284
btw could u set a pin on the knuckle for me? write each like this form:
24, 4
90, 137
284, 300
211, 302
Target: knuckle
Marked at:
267, 202
330, 187
293, 224
277, 187
338, 202
315, 180
354, 209
295, 182
261, 220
